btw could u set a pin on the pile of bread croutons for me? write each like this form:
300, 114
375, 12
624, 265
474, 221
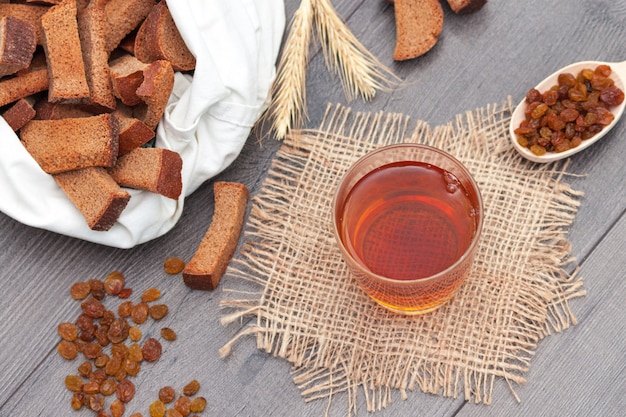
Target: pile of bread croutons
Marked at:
84, 83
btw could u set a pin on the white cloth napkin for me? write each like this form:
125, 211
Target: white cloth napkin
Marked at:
208, 119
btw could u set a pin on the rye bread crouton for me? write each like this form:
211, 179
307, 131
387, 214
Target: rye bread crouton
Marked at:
66, 70
27, 12
123, 16
20, 113
69, 144
206, 267
133, 133
126, 77
158, 38
418, 26
466, 6
91, 29
152, 169
94, 193
154, 91
17, 44
24, 84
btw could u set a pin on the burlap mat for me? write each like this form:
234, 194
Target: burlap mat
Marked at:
310, 312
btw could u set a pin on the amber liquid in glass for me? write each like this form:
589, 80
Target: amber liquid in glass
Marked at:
408, 220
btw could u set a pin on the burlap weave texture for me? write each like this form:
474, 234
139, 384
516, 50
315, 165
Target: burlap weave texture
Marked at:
310, 312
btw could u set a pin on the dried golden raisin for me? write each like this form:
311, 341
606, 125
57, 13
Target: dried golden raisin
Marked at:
198, 405
114, 283
167, 394
139, 313
91, 387
125, 309
80, 290
125, 293
68, 331
151, 349
125, 390
158, 311
67, 350
151, 294
93, 308
117, 408
135, 353
173, 265
74, 383
78, 399
107, 387
172, 412
134, 333
191, 388
168, 334
182, 404
157, 409
84, 369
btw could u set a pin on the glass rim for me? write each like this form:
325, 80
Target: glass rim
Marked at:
425, 280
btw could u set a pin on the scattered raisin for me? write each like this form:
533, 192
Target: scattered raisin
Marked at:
168, 334
114, 283
173, 265
139, 313
74, 383
151, 294
125, 309
125, 390
135, 353
158, 311
182, 404
191, 388
84, 369
67, 350
91, 387
198, 405
96, 402
134, 333
151, 349
157, 409
125, 293
80, 290
107, 387
92, 308
77, 400
167, 394
172, 412
117, 408
118, 331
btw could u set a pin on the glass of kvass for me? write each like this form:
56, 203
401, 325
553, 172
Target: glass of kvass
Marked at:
407, 219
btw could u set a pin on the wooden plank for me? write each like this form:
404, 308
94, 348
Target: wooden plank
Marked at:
580, 372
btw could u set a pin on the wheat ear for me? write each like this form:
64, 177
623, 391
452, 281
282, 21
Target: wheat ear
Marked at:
288, 106
361, 72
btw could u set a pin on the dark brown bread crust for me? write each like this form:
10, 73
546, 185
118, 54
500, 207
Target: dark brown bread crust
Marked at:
95, 195
205, 269
72, 143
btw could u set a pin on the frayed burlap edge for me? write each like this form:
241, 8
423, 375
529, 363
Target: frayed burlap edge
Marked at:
518, 292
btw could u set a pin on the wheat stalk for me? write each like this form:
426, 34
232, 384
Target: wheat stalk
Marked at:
361, 73
288, 104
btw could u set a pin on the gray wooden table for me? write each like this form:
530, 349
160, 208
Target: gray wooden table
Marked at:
480, 59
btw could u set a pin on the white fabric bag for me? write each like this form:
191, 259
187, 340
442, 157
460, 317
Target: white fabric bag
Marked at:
208, 119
